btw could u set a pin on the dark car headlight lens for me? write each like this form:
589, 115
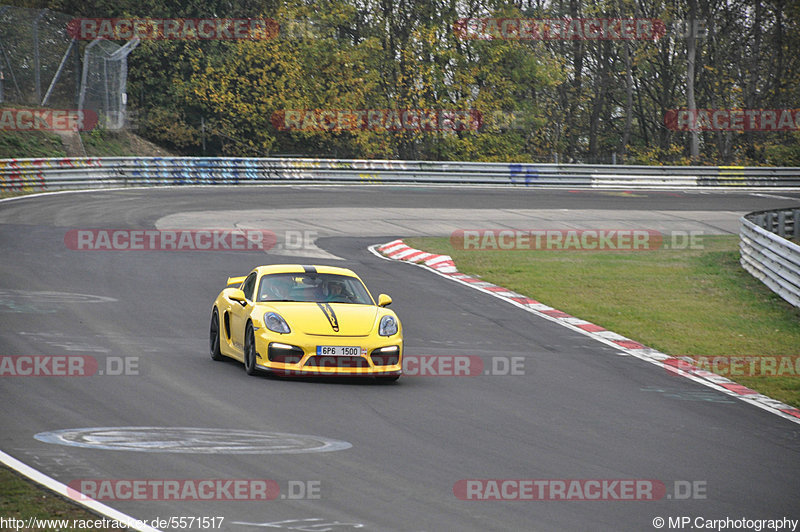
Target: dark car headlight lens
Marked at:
276, 323
388, 326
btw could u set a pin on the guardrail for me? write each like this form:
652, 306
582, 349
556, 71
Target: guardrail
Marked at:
42, 174
767, 253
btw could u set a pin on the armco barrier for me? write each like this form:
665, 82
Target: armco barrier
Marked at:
767, 253
51, 174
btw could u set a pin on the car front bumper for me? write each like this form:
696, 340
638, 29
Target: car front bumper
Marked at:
381, 356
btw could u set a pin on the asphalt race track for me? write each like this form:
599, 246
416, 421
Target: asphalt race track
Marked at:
579, 410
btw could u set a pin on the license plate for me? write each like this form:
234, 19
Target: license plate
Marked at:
340, 351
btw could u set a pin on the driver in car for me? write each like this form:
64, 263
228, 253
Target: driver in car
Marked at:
337, 293
276, 290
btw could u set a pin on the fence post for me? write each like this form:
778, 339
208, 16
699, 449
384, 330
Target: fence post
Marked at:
796, 221
37, 68
782, 224
203, 132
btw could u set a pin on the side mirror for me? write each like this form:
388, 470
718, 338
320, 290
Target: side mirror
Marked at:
237, 295
384, 300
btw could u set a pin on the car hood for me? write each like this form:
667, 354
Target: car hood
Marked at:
329, 319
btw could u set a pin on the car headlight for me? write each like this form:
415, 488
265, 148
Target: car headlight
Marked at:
274, 322
388, 326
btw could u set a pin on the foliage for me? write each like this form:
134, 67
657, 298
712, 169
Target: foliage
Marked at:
574, 100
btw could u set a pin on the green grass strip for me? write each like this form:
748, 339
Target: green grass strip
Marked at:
21, 498
683, 302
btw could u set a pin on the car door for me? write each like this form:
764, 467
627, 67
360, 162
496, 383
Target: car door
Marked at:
240, 313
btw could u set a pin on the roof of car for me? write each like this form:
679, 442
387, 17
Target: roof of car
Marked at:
300, 268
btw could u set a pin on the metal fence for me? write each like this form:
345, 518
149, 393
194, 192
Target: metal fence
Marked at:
104, 81
769, 255
39, 61
41, 174
40, 65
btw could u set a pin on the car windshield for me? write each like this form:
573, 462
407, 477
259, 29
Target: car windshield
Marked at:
313, 287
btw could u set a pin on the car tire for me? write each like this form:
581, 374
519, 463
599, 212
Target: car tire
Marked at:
214, 337
250, 350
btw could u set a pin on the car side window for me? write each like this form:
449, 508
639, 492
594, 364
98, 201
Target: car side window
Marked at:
249, 285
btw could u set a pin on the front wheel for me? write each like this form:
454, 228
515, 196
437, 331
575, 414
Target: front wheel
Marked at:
213, 337
250, 350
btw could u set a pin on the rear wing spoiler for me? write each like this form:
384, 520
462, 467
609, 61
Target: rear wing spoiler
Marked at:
236, 280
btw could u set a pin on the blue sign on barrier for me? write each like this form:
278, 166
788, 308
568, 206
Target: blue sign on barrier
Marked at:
526, 173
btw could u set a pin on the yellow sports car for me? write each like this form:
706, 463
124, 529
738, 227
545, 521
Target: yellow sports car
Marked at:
290, 319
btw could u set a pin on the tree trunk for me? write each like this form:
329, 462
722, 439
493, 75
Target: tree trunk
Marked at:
691, 52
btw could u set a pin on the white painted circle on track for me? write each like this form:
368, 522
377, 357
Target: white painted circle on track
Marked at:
63, 298
28, 302
191, 440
